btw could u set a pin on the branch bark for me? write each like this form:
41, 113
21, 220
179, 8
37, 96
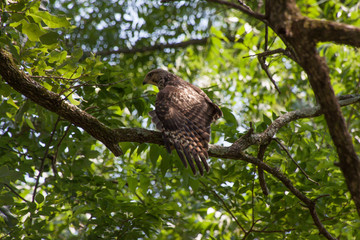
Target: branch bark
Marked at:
301, 34
111, 137
54, 102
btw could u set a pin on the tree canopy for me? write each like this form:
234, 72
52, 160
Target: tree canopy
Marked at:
80, 158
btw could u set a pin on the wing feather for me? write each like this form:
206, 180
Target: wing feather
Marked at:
185, 116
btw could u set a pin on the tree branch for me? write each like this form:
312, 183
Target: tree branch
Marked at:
262, 138
111, 137
329, 31
293, 160
157, 47
41, 168
54, 102
301, 34
243, 8
261, 174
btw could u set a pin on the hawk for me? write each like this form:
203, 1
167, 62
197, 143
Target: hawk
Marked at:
183, 113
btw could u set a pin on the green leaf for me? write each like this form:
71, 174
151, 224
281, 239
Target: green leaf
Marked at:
49, 38
32, 30
229, 117
29, 123
266, 120
39, 198
132, 183
50, 20
144, 183
164, 165
12, 103
219, 34
4, 171
154, 154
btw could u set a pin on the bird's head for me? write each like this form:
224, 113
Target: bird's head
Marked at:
157, 77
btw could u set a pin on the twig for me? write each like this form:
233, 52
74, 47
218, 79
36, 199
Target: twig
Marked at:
321, 196
353, 109
266, 37
156, 47
274, 231
262, 181
12, 190
57, 77
116, 103
292, 159
253, 222
100, 84
266, 53
41, 169
66, 89
141, 200
53, 162
243, 8
225, 206
266, 69
243, 4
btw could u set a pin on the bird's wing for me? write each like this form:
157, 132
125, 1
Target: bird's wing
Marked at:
186, 117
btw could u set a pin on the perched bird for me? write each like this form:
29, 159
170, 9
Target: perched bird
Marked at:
183, 113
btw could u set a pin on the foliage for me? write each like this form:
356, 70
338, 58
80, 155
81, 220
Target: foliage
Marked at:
57, 182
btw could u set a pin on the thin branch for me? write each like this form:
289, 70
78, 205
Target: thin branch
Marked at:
242, 8
225, 206
55, 77
253, 222
53, 161
99, 84
157, 47
321, 196
266, 69
293, 160
309, 112
274, 231
262, 181
266, 37
41, 169
12, 190
81, 85
271, 52
231, 154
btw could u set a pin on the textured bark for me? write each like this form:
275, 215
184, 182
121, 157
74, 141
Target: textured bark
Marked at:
54, 102
111, 137
301, 34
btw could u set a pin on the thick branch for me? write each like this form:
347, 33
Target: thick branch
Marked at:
329, 31
299, 34
54, 102
111, 137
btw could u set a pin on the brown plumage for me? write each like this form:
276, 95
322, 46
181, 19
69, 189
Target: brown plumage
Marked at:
183, 113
